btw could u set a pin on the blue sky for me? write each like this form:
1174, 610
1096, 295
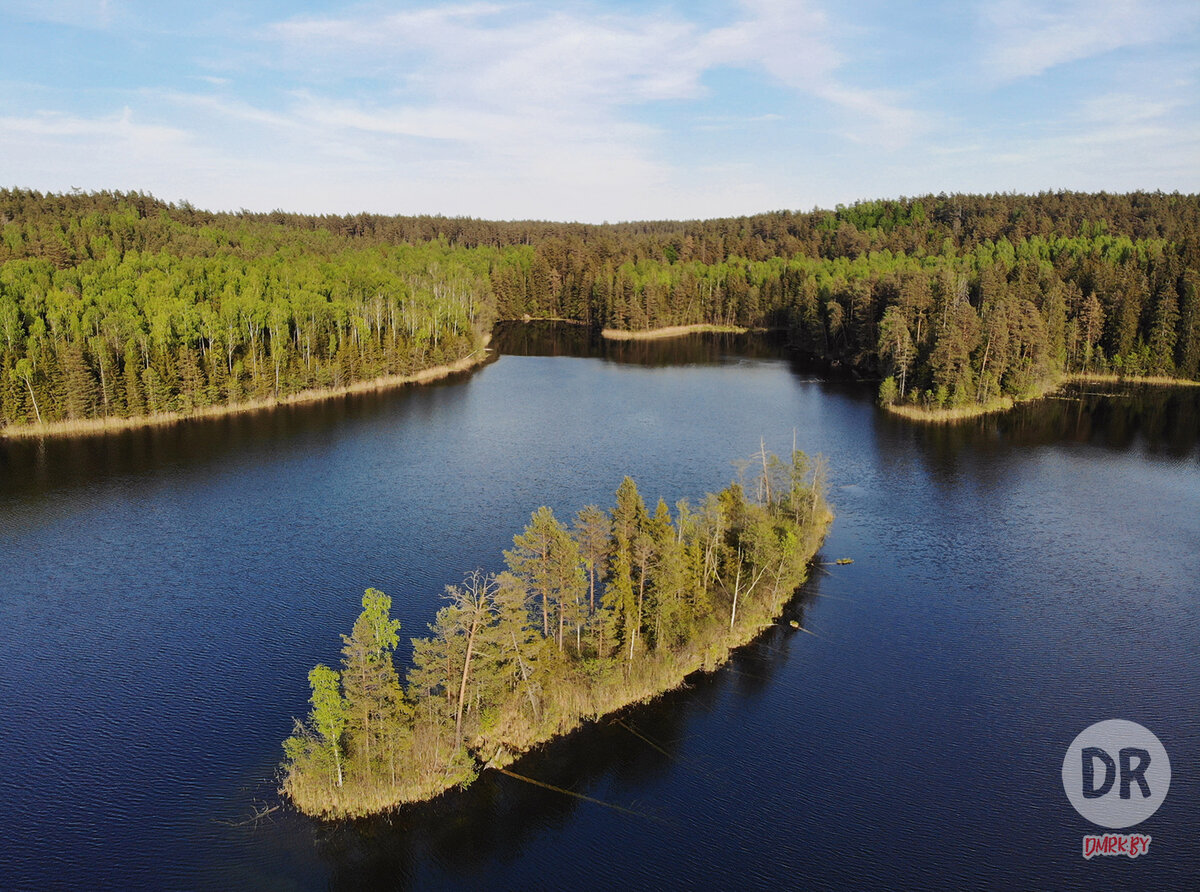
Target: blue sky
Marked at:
596, 111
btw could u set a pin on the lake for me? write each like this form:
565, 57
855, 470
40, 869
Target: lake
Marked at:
1015, 579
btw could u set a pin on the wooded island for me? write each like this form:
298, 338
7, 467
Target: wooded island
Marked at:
615, 609
118, 306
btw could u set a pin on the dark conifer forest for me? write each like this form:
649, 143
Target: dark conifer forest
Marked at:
118, 305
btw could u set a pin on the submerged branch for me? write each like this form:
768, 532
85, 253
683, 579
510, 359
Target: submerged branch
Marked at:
592, 799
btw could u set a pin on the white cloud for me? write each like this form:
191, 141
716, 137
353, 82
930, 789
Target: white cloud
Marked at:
57, 151
793, 42
227, 109
119, 130
790, 40
537, 105
573, 66
1124, 108
1025, 38
471, 51
890, 122
568, 111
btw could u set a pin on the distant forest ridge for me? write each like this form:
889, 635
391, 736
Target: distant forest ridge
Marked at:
121, 305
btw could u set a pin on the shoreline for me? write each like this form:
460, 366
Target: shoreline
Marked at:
671, 331
111, 424
496, 751
711, 658
957, 413
526, 319
1006, 403
1109, 378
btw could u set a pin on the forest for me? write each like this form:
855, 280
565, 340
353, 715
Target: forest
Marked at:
118, 305
114, 308
614, 609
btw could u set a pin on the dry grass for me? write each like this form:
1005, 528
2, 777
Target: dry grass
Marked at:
1004, 403
670, 331
90, 426
948, 416
1155, 380
560, 319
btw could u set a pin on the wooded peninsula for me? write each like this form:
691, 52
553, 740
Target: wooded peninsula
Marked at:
121, 307
614, 610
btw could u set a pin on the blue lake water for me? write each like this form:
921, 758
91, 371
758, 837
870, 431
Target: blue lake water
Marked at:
164, 592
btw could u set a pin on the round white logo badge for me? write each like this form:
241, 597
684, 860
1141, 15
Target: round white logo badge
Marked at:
1116, 773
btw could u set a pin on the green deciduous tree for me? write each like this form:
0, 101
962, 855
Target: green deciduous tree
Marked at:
329, 713
24, 370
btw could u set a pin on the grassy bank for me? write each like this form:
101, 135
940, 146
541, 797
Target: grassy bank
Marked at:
1149, 380
950, 415
1005, 403
661, 672
562, 320
670, 331
91, 426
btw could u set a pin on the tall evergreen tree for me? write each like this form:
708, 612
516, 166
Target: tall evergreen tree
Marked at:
369, 679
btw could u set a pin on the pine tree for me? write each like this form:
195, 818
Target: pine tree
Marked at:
951, 356
621, 598
546, 559
191, 380
470, 613
1188, 346
592, 530
79, 383
369, 680
888, 391
670, 581
896, 345
134, 403
24, 371
1163, 335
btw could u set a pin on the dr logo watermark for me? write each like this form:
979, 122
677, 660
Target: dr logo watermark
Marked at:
1116, 773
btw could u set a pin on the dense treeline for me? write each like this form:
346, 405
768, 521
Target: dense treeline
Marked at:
120, 314
612, 610
954, 300
118, 304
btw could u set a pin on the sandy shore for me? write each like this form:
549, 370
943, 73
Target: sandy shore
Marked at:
671, 331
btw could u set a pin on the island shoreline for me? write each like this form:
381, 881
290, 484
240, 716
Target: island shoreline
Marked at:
708, 662
307, 780
1007, 403
673, 331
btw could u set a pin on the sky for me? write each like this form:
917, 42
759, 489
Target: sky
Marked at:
596, 111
